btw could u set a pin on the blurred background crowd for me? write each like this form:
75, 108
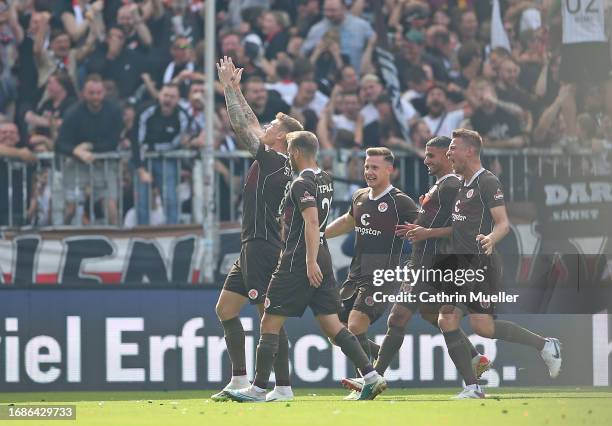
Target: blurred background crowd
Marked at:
82, 78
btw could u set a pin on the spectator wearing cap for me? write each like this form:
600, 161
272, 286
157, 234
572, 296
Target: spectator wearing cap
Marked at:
498, 127
274, 28
440, 120
354, 32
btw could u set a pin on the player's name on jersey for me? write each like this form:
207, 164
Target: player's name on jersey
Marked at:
449, 298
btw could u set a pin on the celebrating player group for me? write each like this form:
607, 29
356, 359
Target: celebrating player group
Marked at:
284, 268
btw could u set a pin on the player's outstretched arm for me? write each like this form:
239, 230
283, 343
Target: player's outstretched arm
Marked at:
243, 121
341, 225
312, 238
501, 228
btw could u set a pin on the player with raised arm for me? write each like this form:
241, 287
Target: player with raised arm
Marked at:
429, 235
479, 222
374, 213
266, 180
304, 277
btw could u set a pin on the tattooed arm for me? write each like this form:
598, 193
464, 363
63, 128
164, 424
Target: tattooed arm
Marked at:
242, 119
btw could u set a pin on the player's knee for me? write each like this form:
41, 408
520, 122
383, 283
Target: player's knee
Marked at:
224, 311
399, 319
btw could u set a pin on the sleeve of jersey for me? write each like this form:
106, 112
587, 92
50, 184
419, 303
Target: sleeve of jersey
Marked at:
448, 193
491, 192
409, 209
262, 153
353, 199
303, 192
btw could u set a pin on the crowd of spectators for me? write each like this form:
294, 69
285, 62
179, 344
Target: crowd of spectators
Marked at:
81, 77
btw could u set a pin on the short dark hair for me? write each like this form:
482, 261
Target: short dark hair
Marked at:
381, 152
171, 85
94, 78
470, 137
439, 142
305, 142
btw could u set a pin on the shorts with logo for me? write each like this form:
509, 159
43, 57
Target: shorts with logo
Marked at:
251, 273
359, 293
488, 273
290, 293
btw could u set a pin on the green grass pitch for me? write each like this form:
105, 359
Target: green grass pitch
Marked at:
312, 407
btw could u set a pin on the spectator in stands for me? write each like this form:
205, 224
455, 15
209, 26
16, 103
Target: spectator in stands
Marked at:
60, 54
498, 127
137, 34
265, 104
89, 127
420, 134
274, 28
370, 90
159, 128
348, 123
469, 58
308, 13
508, 90
468, 26
411, 47
12, 175
113, 61
385, 130
440, 120
44, 124
354, 32
11, 36
180, 68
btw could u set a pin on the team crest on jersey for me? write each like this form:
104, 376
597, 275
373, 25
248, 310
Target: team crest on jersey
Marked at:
470, 193
499, 195
307, 197
253, 293
382, 207
369, 301
267, 303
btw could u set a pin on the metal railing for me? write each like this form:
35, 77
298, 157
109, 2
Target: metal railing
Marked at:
59, 190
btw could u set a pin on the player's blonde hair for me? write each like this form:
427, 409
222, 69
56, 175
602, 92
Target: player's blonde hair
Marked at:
470, 137
289, 123
381, 152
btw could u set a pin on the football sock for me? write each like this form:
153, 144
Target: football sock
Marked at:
266, 351
390, 346
473, 350
352, 349
365, 343
460, 354
281, 362
234, 340
511, 332
374, 348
